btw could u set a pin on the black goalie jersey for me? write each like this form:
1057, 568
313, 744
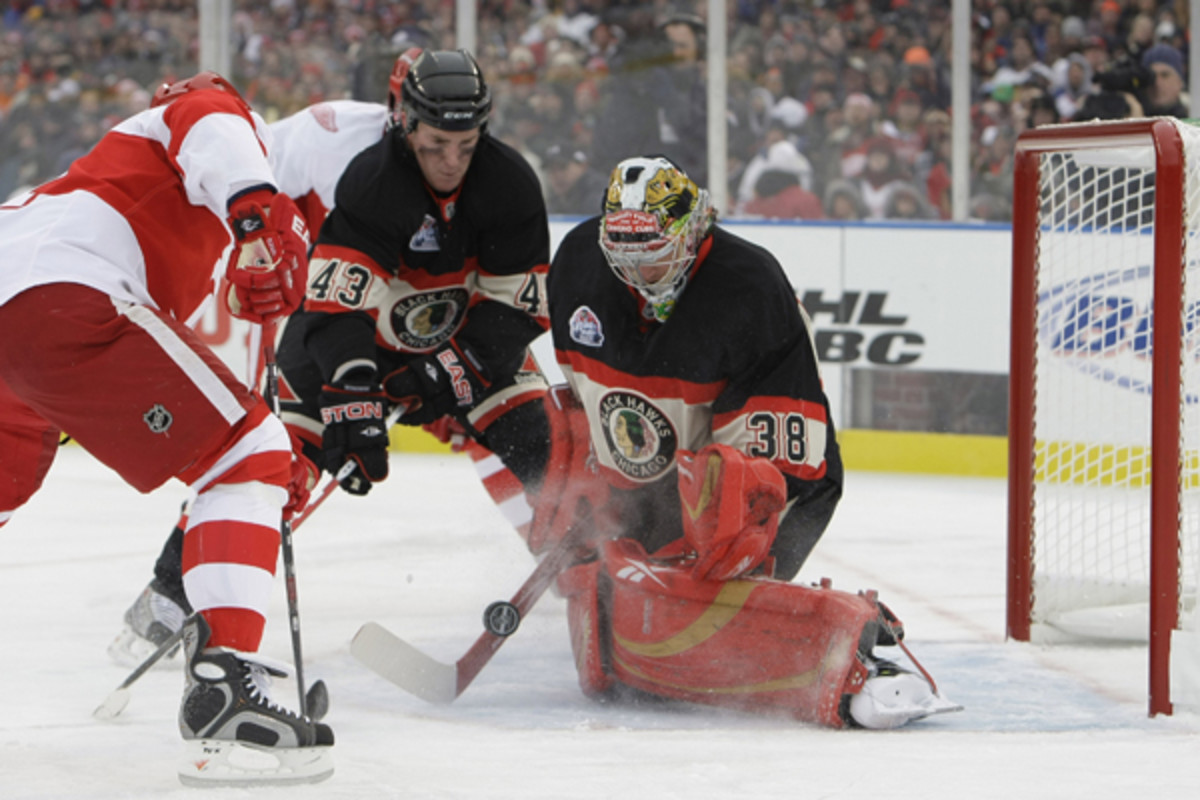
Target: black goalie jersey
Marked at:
398, 270
734, 364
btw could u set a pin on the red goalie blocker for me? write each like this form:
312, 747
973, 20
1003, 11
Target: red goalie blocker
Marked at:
753, 644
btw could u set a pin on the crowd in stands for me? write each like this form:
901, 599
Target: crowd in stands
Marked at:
838, 109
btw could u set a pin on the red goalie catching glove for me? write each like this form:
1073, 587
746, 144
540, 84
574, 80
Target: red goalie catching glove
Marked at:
731, 504
268, 269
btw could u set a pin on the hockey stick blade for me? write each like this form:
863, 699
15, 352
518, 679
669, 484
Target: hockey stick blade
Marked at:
395, 660
116, 701
318, 700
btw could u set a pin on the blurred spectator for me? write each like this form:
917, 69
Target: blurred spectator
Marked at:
921, 75
779, 154
844, 202
572, 185
906, 202
903, 127
880, 175
1165, 95
779, 195
992, 172
844, 152
616, 77
1074, 86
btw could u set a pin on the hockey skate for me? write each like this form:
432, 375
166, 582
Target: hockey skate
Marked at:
149, 622
893, 696
236, 735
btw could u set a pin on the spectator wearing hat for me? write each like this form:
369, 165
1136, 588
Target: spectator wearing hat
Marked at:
844, 202
572, 185
1165, 97
907, 203
778, 153
779, 195
921, 75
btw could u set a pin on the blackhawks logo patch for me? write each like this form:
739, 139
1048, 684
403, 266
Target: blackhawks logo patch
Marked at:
423, 321
640, 437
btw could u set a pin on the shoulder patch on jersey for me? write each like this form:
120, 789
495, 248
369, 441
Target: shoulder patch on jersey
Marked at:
585, 327
425, 240
325, 115
423, 321
639, 435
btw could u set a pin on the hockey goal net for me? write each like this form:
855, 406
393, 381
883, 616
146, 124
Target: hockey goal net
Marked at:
1104, 412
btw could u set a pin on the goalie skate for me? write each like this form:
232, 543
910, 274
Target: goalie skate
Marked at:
892, 697
236, 734
150, 621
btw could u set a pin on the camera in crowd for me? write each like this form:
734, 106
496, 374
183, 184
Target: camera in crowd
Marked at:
1126, 75
1125, 78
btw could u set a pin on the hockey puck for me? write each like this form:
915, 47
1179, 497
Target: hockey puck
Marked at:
501, 618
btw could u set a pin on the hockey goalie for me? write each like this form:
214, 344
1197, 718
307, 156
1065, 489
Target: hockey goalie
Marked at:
694, 460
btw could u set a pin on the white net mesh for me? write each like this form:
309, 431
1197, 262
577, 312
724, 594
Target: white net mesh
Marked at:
1093, 381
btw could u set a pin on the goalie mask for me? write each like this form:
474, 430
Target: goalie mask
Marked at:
655, 218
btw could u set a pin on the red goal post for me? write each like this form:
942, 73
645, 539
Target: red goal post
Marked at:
1104, 404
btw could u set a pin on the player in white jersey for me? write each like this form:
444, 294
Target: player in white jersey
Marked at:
105, 270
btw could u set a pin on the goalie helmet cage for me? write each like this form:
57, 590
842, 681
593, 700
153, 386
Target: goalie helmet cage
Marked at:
1104, 406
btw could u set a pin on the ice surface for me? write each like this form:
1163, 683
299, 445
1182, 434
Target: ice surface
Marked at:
424, 554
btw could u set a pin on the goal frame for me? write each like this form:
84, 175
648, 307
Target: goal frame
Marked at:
1168, 327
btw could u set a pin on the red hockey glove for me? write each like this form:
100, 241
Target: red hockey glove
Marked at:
268, 268
355, 430
731, 504
448, 430
300, 485
450, 380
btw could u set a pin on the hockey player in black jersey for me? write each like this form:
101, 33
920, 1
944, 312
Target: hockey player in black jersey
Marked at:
426, 285
694, 441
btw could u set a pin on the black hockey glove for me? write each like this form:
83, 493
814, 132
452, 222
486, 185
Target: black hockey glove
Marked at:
355, 431
450, 380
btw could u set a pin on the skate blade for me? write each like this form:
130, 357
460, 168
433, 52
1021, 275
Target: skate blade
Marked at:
899, 716
129, 650
214, 762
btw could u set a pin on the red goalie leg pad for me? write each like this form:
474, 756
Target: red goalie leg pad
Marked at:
731, 504
753, 644
572, 484
589, 627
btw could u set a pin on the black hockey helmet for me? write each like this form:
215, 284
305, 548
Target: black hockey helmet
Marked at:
201, 80
445, 89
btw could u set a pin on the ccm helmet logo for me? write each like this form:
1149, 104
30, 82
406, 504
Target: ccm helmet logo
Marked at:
458, 115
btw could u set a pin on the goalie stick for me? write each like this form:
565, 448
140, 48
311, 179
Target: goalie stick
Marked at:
434, 681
